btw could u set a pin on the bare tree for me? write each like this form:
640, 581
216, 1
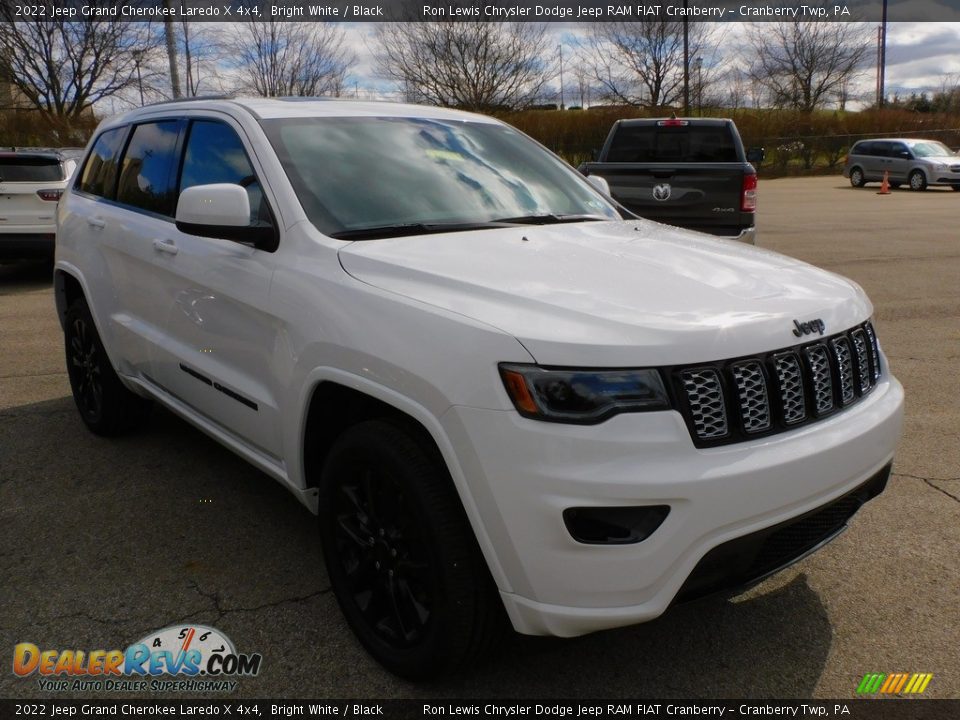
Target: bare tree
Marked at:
471, 65
61, 68
641, 63
291, 58
202, 50
805, 66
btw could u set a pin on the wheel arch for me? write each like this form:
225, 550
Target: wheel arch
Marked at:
67, 289
323, 421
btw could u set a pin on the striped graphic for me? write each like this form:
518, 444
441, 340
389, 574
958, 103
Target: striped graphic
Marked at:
894, 683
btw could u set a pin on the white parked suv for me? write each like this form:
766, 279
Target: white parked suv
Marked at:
498, 390
31, 182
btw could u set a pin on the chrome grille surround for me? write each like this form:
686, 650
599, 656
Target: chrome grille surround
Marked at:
735, 400
752, 391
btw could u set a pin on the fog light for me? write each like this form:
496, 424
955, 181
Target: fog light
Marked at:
614, 525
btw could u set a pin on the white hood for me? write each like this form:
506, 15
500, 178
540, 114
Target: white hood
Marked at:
614, 293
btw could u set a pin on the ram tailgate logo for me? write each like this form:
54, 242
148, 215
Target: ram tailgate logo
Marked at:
661, 192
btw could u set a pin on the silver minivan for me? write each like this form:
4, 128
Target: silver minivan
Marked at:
908, 160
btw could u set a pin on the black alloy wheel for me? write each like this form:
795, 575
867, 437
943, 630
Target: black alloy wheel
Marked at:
402, 559
382, 554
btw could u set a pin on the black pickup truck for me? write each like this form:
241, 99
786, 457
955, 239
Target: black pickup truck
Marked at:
689, 172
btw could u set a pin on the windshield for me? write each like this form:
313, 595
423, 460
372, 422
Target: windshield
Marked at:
353, 174
930, 149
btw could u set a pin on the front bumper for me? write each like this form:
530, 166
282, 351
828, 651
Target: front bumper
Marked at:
522, 474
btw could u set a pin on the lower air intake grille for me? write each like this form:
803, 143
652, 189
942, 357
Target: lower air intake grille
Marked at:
733, 400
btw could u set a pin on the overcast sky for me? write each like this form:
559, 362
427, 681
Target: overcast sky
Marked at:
920, 56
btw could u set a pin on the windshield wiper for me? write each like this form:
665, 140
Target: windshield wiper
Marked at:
549, 219
403, 229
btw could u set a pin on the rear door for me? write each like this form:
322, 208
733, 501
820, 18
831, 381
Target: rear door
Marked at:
30, 185
878, 160
678, 172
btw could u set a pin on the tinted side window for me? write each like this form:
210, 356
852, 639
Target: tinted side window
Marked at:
896, 149
881, 149
100, 170
862, 148
215, 154
146, 175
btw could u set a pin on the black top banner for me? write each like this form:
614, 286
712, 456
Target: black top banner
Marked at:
577, 11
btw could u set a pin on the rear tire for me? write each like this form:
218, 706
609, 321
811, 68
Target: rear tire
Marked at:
402, 560
105, 405
856, 177
918, 181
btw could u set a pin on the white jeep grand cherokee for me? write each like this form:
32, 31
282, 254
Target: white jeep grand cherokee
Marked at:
496, 389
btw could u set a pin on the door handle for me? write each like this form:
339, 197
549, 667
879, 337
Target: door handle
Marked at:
96, 222
166, 246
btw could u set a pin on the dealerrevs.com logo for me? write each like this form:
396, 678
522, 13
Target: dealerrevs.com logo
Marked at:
191, 658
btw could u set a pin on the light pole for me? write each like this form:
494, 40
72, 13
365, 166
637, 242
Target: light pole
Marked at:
698, 66
686, 62
560, 49
882, 70
137, 57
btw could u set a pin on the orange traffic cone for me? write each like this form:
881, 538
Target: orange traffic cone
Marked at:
885, 185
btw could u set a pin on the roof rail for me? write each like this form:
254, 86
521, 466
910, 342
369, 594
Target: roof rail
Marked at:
195, 98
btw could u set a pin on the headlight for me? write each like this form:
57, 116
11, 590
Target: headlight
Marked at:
582, 396
940, 166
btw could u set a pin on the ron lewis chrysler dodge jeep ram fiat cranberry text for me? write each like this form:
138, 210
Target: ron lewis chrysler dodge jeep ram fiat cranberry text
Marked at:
498, 390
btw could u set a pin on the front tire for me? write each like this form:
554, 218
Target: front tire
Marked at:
105, 405
856, 178
918, 181
402, 559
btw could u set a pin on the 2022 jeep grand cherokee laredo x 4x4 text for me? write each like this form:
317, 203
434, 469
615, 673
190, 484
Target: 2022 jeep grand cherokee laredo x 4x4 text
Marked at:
495, 391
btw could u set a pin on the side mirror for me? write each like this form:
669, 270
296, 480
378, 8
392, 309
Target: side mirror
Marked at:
756, 155
599, 183
222, 210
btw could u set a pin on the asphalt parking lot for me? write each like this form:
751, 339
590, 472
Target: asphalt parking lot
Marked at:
103, 541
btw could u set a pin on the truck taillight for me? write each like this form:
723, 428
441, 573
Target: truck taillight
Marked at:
748, 199
50, 195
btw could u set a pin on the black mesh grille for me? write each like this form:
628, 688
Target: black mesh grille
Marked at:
730, 401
